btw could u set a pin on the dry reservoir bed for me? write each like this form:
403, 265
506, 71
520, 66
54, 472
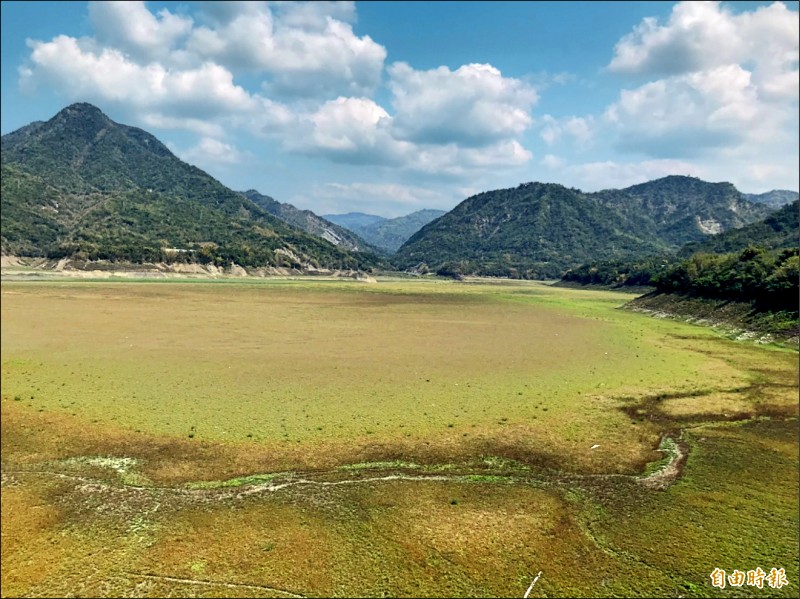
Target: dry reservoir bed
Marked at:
322, 438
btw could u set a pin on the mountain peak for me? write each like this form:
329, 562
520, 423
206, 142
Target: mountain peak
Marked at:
81, 107
82, 111
82, 120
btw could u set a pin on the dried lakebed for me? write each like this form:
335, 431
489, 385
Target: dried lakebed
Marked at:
406, 438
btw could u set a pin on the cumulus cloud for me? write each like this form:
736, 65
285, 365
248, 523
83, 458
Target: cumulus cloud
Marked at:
721, 82
580, 129
354, 130
108, 75
210, 152
445, 122
172, 71
132, 28
705, 35
304, 48
473, 105
300, 49
687, 114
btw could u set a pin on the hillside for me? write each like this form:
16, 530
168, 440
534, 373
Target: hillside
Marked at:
678, 209
539, 230
536, 230
778, 230
82, 186
744, 278
309, 222
386, 233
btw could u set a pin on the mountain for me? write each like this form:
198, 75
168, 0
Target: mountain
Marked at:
386, 233
778, 231
774, 235
539, 230
82, 186
677, 209
536, 230
774, 199
309, 222
354, 220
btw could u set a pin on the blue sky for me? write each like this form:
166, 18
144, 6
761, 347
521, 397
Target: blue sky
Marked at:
390, 107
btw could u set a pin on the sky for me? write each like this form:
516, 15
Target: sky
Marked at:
392, 107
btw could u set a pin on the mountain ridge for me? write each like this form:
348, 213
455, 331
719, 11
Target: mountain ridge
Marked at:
540, 230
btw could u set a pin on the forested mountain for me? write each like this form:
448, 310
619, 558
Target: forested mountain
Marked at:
309, 222
757, 264
779, 230
539, 230
677, 209
386, 233
83, 186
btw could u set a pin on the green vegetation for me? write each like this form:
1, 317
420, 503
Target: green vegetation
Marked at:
540, 230
779, 230
768, 278
676, 210
753, 286
82, 186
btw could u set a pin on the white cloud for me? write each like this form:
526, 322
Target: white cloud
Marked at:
726, 85
212, 153
593, 176
706, 35
298, 49
304, 49
473, 105
170, 71
131, 27
580, 129
359, 131
552, 162
686, 114
199, 126
456, 161
347, 124
310, 15
109, 76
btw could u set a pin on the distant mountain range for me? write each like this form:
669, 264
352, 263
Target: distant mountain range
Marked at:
309, 222
385, 233
540, 230
82, 186
774, 199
